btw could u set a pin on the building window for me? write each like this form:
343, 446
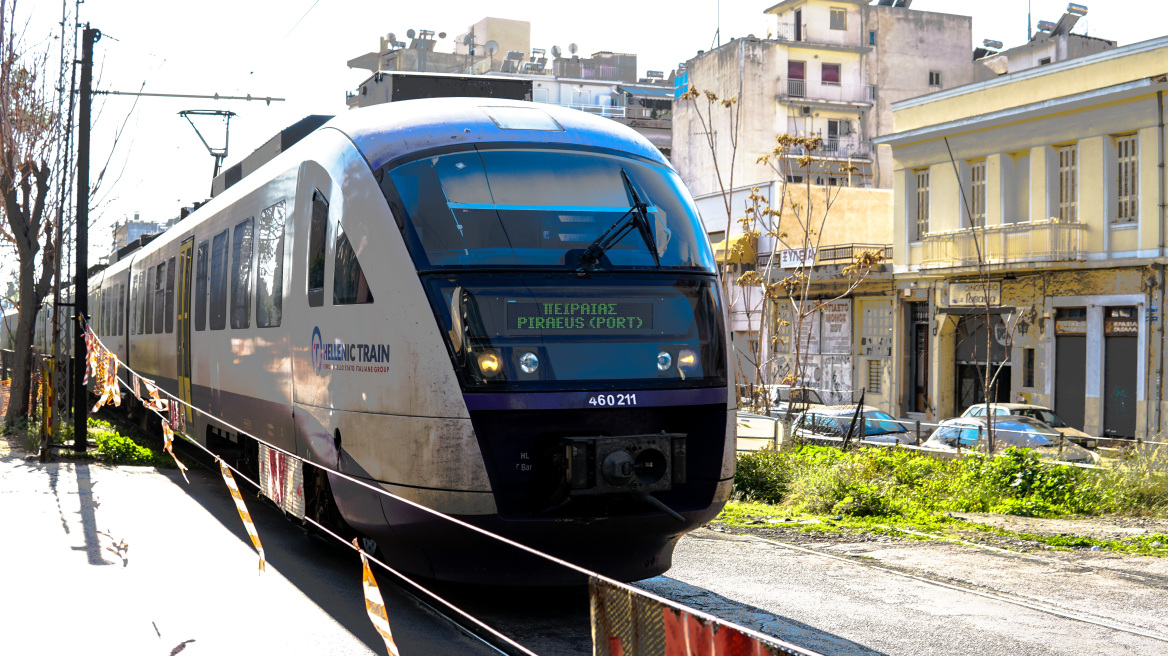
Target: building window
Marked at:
831, 74
977, 196
934, 78
839, 19
795, 179
871, 38
1028, 367
796, 70
874, 370
1044, 61
1068, 183
922, 208
1127, 188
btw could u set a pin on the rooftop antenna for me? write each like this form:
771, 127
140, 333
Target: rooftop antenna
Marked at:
492, 47
219, 154
1029, 32
572, 49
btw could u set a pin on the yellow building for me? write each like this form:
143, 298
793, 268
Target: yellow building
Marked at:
1036, 199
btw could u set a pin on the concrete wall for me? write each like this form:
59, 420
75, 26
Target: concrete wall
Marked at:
509, 34
909, 44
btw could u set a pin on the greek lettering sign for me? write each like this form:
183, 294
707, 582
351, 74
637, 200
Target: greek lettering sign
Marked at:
975, 294
797, 257
592, 316
836, 333
1124, 326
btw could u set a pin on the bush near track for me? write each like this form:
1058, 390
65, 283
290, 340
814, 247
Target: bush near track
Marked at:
895, 483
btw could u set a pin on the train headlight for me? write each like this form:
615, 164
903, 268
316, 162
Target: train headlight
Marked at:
687, 361
664, 361
489, 363
528, 363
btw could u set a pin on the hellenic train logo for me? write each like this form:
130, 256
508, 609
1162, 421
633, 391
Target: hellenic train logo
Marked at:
317, 349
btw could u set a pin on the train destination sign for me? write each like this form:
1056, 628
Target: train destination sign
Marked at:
580, 316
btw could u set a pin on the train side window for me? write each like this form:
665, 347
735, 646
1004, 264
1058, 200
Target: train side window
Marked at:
219, 281
148, 313
133, 303
160, 298
349, 284
138, 302
170, 296
241, 275
270, 267
316, 244
201, 287
121, 309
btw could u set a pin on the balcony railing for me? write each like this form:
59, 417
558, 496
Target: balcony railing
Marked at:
821, 36
863, 93
608, 111
844, 148
1035, 241
788, 32
848, 252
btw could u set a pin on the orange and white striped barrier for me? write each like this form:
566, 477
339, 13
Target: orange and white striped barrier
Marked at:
243, 514
167, 444
374, 605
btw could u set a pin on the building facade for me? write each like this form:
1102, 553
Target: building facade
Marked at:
1029, 225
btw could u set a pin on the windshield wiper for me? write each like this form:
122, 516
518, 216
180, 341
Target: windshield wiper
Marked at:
637, 216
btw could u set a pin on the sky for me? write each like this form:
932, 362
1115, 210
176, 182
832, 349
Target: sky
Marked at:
152, 161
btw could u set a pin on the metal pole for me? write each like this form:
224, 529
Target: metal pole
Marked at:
81, 277
918, 422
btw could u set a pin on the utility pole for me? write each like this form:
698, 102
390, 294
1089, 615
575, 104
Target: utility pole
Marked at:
81, 277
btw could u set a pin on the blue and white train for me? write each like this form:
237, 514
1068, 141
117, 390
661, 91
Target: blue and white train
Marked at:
504, 311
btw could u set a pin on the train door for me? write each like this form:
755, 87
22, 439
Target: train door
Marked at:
183, 332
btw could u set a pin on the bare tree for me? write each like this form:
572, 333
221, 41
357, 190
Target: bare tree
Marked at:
29, 129
790, 224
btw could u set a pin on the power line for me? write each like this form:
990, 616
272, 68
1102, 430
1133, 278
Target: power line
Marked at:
267, 99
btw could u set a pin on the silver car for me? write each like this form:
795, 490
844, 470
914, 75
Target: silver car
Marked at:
970, 434
832, 422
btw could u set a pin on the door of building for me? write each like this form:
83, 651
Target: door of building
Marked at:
798, 24
1120, 345
1070, 365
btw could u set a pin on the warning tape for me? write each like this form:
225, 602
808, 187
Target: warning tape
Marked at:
374, 604
243, 514
373, 596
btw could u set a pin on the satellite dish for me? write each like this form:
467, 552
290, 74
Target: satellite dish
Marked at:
392, 38
468, 39
441, 35
410, 33
572, 48
492, 48
556, 52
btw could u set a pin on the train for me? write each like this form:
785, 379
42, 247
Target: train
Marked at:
503, 311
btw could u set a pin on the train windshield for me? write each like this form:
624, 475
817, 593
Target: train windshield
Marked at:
545, 208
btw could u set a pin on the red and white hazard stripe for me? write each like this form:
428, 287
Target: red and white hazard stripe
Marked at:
243, 514
374, 605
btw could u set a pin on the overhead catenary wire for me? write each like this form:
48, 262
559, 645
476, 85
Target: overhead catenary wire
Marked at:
786, 647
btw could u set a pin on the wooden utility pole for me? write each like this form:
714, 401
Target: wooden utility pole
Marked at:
81, 277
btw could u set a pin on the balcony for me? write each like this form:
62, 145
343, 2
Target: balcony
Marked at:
607, 111
845, 148
864, 94
1035, 241
821, 36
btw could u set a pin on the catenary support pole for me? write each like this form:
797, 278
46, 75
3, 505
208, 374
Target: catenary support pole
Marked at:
81, 278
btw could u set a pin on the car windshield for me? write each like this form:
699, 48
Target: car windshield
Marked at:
1045, 416
1017, 433
949, 435
506, 208
879, 423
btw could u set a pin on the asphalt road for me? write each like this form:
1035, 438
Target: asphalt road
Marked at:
909, 597
188, 578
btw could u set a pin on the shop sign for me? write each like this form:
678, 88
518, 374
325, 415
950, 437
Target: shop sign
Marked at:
975, 294
797, 257
836, 333
1121, 327
1070, 327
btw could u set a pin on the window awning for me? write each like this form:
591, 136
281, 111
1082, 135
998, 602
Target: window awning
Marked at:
661, 93
741, 250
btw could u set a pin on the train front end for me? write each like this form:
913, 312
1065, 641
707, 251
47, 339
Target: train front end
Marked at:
576, 292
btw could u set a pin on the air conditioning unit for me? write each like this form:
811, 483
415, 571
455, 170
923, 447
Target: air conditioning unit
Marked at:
805, 111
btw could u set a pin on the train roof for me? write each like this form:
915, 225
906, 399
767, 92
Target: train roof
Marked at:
392, 131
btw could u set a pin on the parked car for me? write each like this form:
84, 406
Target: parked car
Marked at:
832, 422
970, 434
1041, 413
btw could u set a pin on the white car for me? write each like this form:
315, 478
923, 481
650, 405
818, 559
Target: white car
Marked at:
1041, 413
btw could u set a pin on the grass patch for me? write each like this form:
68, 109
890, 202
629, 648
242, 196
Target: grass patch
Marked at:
880, 490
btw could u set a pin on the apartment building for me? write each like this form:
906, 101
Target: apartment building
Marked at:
1029, 216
